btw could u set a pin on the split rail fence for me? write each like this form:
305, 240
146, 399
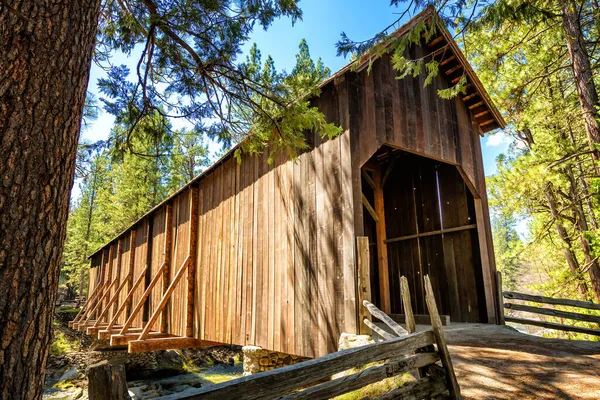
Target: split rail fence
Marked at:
402, 350
552, 312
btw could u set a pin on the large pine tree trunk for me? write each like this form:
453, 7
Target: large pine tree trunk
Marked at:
582, 71
45, 56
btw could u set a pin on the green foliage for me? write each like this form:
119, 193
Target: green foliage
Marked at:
299, 116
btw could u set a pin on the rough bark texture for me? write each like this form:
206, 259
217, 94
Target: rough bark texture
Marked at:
582, 71
45, 55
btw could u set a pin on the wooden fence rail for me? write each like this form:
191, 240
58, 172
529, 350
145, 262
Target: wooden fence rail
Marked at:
552, 312
402, 351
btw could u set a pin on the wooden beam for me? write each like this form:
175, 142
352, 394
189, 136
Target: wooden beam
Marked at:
438, 331
164, 322
127, 302
141, 301
121, 340
446, 60
383, 317
364, 279
432, 233
105, 334
191, 271
382, 254
551, 300
369, 208
165, 298
552, 325
553, 313
142, 346
367, 178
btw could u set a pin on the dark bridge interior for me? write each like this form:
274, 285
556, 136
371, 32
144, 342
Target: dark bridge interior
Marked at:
430, 228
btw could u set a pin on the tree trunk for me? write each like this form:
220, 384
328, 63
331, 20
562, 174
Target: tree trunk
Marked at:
592, 264
584, 81
45, 58
566, 244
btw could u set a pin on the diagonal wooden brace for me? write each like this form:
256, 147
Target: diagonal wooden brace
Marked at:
140, 303
163, 302
139, 280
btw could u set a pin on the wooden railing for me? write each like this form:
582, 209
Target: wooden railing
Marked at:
402, 351
552, 312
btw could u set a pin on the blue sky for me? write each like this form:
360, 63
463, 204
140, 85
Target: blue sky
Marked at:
323, 21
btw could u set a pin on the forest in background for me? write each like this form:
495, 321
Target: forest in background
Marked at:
549, 177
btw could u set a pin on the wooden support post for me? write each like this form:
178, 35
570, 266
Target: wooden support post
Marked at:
107, 382
141, 302
117, 278
500, 301
486, 263
109, 278
127, 302
163, 302
364, 280
382, 254
132, 239
164, 317
438, 331
411, 325
191, 269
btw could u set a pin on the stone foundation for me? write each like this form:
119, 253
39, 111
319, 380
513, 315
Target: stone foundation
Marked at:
256, 359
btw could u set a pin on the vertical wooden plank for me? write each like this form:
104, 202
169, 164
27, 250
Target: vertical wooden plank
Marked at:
300, 252
277, 266
347, 218
130, 274
382, 254
364, 280
191, 269
117, 277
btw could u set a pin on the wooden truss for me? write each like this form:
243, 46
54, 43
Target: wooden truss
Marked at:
153, 335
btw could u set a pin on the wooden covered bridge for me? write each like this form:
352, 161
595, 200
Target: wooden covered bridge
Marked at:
263, 254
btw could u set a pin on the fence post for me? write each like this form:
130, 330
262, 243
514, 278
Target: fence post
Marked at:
438, 330
364, 281
107, 382
500, 298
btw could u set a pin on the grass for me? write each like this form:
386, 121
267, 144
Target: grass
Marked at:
60, 344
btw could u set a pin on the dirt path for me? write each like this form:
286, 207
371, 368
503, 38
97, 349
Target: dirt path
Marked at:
497, 362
